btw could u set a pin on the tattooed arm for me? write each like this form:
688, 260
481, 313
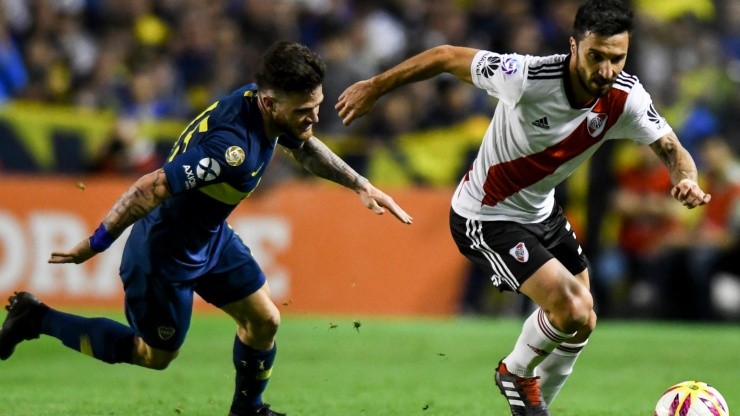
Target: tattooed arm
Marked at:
682, 169
318, 159
141, 198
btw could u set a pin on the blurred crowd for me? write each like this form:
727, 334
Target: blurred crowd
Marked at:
167, 59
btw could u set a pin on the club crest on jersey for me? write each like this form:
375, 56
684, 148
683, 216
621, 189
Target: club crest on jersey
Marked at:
165, 332
208, 169
595, 123
520, 253
234, 156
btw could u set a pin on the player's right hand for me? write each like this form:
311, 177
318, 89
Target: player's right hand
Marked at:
79, 254
355, 101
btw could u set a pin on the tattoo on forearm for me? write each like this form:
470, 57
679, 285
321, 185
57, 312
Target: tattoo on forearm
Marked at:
676, 158
318, 159
140, 199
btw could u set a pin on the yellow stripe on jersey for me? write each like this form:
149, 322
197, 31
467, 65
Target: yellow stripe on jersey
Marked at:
203, 126
225, 193
86, 346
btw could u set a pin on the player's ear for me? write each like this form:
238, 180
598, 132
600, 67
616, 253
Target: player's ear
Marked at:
573, 45
268, 102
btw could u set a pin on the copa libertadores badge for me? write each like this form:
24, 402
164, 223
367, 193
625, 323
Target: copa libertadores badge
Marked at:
234, 156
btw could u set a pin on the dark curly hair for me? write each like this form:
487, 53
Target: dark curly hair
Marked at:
603, 17
290, 67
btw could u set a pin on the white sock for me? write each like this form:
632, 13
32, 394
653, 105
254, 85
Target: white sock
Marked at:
536, 341
556, 368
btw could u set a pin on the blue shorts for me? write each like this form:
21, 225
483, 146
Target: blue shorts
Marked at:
159, 307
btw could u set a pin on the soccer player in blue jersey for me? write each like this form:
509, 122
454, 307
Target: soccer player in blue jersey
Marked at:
180, 243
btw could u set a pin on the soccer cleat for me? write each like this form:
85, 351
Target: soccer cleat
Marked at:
523, 394
23, 322
263, 410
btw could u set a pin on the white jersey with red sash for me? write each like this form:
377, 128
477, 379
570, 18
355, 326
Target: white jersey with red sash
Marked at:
537, 138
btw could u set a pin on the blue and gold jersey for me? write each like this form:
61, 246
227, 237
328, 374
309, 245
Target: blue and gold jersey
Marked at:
217, 161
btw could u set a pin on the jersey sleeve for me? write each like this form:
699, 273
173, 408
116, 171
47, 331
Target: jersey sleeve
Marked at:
644, 124
206, 164
500, 75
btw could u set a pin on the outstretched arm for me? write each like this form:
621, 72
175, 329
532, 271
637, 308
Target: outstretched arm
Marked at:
682, 169
360, 97
140, 199
318, 159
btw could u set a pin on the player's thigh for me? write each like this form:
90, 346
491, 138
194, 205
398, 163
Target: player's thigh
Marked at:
158, 310
238, 286
256, 311
554, 288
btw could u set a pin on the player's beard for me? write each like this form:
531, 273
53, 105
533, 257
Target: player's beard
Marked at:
596, 86
299, 132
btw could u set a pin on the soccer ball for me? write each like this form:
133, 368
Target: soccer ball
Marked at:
692, 398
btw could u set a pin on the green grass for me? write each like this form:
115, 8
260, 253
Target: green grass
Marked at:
388, 367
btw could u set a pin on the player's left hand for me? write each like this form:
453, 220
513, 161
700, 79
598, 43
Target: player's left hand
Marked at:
79, 254
690, 194
378, 201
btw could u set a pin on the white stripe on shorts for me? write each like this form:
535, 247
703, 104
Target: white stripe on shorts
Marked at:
474, 231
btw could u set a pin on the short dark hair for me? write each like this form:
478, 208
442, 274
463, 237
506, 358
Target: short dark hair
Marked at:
290, 67
603, 17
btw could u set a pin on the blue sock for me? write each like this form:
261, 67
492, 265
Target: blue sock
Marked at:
100, 338
253, 369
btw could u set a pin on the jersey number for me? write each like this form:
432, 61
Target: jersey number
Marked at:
199, 124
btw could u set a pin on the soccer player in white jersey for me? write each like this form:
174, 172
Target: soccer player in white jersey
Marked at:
553, 113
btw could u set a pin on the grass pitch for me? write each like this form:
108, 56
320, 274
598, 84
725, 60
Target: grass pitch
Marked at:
338, 366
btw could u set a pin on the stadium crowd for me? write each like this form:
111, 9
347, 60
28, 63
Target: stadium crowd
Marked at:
164, 59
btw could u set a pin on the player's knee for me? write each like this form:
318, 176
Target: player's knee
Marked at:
268, 326
575, 312
261, 328
591, 323
155, 359
159, 361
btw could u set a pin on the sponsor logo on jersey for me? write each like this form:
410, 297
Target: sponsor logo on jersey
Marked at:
510, 65
234, 156
542, 123
208, 169
520, 253
596, 123
165, 332
189, 176
654, 117
488, 65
